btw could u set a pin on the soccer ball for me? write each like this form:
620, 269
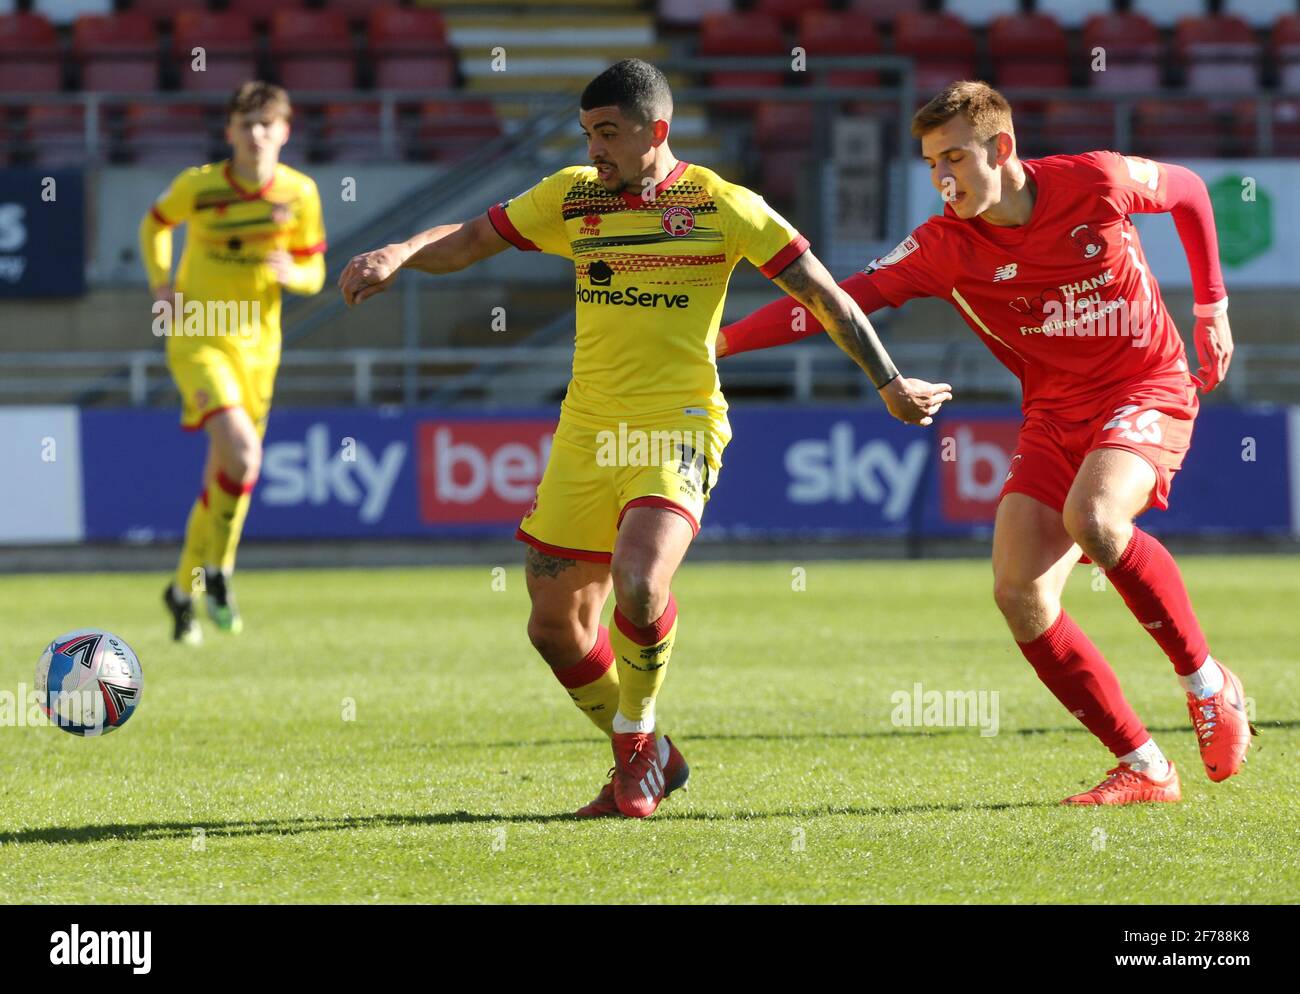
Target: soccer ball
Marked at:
89, 682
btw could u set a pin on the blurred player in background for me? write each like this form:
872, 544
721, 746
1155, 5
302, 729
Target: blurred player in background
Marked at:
1042, 261
254, 228
653, 241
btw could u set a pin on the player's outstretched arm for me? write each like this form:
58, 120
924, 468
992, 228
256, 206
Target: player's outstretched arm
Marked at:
784, 321
911, 401
447, 248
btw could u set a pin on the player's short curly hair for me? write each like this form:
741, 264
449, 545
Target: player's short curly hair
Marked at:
635, 87
256, 95
985, 108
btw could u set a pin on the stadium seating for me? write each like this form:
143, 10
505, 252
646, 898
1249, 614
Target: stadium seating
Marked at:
55, 134
1072, 13
448, 131
1133, 52
742, 34
1029, 50
885, 11
353, 132
260, 10
825, 32
312, 50
1285, 45
1260, 13
161, 10
29, 55
117, 52
1170, 129
1219, 54
1071, 126
982, 12
410, 50
788, 12
228, 41
171, 133
685, 13
1167, 13
942, 45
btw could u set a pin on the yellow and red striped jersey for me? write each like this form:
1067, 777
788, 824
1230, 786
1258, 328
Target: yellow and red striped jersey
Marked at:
652, 276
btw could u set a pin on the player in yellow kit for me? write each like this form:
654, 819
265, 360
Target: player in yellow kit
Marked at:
254, 228
643, 426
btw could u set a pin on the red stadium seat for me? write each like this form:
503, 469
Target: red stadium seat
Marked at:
742, 34
781, 171
228, 40
361, 10
165, 10
1071, 127
1175, 129
29, 55
167, 133
1029, 50
782, 124
789, 11
1219, 53
56, 134
452, 130
260, 10
410, 50
886, 11
839, 33
942, 46
354, 132
1285, 43
312, 49
1286, 128
1132, 49
116, 51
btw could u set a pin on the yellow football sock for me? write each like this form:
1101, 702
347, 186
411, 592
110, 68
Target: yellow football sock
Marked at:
593, 683
194, 552
642, 658
228, 507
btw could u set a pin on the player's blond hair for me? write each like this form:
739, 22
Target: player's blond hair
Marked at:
984, 107
256, 95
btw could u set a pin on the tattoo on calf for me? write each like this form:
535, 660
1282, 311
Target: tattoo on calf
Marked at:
540, 564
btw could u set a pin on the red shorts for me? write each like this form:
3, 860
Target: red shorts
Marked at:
1153, 421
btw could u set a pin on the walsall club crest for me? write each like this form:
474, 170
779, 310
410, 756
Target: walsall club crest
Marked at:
280, 213
678, 221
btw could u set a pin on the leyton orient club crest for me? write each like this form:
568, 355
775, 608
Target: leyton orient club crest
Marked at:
1087, 241
678, 221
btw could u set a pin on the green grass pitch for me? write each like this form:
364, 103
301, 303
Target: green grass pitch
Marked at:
242, 779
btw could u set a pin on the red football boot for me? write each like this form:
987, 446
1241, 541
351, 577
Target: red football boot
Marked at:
1223, 730
604, 805
1125, 785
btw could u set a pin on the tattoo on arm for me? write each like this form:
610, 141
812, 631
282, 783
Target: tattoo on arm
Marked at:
807, 280
540, 564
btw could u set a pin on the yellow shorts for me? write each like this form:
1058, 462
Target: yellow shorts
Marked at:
594, 475
213, 379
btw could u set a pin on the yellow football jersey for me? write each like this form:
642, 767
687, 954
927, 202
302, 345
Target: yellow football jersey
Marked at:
651, 279
231, 230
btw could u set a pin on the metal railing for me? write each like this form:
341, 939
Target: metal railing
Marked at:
799, 373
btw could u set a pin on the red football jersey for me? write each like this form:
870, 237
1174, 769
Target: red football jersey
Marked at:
1065, 301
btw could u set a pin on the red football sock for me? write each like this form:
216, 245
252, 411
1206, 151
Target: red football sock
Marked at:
1076, 672
1147, 577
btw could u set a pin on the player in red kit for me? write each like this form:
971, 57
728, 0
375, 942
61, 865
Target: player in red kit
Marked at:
1041, 260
